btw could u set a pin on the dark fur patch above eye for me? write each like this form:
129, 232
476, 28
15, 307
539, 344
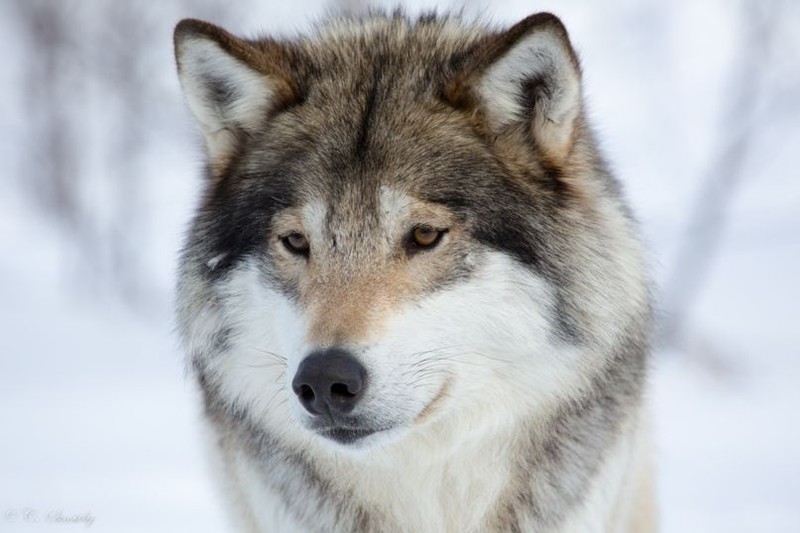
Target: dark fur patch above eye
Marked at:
499, 218
236, 217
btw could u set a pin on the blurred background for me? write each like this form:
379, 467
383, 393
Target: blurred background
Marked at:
698, 107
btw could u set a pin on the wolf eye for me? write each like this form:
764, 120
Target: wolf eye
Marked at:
297, 243
424, 236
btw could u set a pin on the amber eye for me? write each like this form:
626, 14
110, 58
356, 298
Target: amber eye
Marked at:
296, 243
424, 236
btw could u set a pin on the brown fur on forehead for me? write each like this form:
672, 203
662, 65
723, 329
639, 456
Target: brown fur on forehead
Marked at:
351, 67
394, 69
375, 107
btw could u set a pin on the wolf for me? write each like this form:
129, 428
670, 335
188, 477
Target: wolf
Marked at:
412, 296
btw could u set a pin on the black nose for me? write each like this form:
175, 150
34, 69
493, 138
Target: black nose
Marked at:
329, 381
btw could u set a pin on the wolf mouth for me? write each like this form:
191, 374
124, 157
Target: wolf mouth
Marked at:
345, 435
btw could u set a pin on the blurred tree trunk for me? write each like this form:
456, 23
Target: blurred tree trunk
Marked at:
90, 106
51, 164
741, 123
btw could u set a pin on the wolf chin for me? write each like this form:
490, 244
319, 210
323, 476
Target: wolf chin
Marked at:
412, 295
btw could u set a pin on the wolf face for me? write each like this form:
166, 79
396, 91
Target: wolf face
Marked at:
406, 225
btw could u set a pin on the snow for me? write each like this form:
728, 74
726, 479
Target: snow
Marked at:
98, 416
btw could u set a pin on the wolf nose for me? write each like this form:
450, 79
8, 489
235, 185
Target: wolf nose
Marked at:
329, 381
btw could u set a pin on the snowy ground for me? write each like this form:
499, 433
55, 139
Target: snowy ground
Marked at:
98, 422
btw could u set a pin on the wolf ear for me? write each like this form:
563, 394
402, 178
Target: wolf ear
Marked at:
230, 85
531, 73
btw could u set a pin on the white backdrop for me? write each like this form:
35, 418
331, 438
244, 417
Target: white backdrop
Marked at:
97, 420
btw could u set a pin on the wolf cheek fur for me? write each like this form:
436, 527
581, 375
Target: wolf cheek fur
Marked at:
412, 295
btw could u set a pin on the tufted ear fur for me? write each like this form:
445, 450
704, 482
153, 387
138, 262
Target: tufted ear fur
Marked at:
230, 85
530, 72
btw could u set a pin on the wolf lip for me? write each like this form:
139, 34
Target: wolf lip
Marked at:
345, 435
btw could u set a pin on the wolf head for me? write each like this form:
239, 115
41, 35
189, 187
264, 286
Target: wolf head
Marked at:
406, 226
